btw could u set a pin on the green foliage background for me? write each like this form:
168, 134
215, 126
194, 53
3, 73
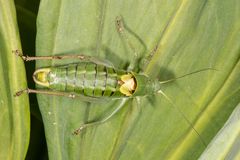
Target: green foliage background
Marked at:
189, 35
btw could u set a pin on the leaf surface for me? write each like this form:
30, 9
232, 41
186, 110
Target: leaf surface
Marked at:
186, 36
15, 115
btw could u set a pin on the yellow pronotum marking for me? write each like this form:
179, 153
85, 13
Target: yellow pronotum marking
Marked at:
128, 84
40, 76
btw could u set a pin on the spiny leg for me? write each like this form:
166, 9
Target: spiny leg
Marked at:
105, 119
145, 60
121, 31
46, 92
57, 57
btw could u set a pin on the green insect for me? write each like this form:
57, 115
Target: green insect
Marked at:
90, 80
94, 79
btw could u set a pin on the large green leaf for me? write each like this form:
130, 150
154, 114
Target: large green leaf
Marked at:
15, 121
190, 35
225, 145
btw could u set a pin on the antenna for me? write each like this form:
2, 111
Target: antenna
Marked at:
173, 79
190, 124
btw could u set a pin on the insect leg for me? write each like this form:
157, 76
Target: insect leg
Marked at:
28, 58
27, 90
84, 126
121, 31
145, 60
59, 57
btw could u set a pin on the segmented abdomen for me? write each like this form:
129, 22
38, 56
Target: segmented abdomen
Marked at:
86, 78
